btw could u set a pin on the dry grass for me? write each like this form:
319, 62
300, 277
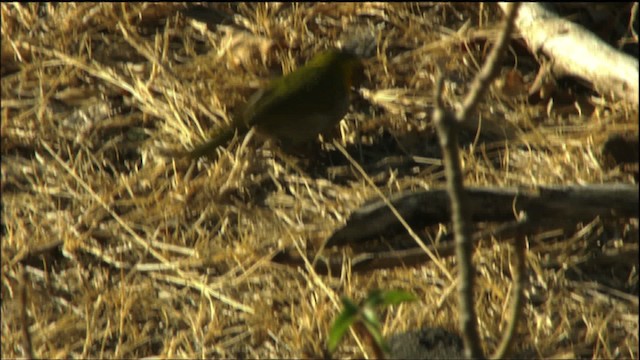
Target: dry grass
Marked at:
164, 258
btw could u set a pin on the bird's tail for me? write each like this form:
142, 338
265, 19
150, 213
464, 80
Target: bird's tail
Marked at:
209, 147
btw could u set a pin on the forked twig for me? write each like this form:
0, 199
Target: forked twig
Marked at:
446, 123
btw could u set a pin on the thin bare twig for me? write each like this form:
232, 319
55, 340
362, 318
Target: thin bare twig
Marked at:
517, 297
461, 219
24, 318
446, 124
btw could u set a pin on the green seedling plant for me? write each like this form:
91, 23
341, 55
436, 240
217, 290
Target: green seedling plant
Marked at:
364, 318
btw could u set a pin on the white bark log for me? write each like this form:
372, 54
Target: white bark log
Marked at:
575, 51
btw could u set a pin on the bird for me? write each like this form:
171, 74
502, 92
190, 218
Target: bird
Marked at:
295, 108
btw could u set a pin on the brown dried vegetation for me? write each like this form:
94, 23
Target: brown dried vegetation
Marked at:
130, 253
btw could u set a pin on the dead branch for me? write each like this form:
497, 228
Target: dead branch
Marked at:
574, 51
430, 207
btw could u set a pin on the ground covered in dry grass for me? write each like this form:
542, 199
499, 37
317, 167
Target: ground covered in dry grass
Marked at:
126, 251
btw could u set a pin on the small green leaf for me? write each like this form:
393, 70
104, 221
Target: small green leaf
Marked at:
386, 298
369, 315
374, 328
374, 298
396, 297
346, 318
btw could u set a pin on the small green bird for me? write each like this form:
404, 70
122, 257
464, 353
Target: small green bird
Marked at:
297, 107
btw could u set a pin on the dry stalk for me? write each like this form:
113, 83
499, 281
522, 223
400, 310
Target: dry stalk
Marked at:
446, 124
